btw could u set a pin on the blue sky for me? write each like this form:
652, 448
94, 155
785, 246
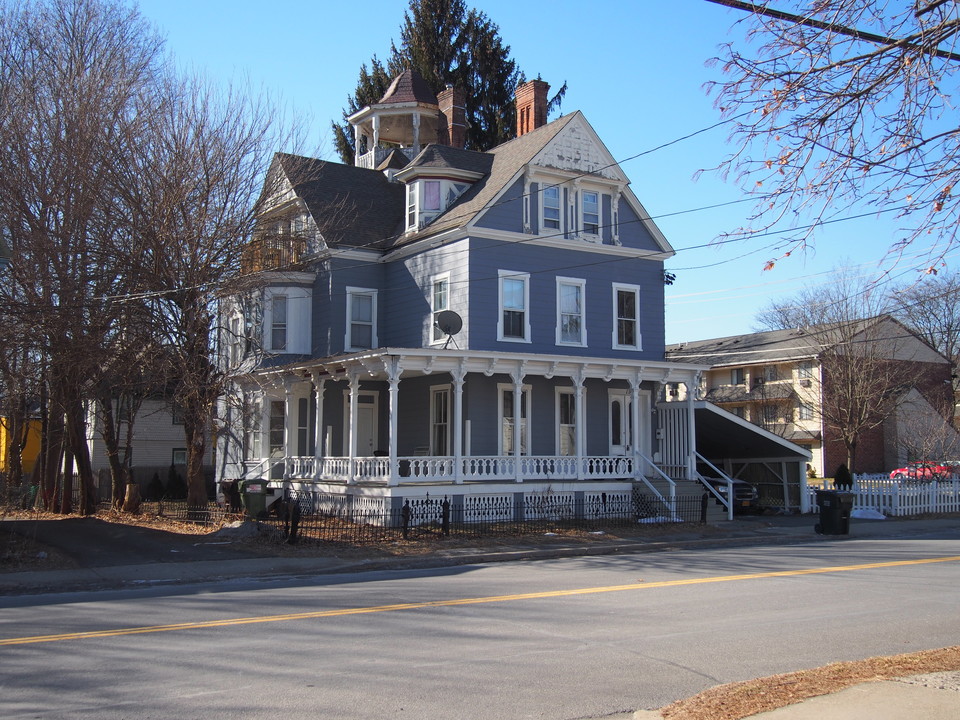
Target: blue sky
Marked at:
635, 69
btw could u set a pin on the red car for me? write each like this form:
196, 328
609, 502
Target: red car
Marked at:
922, 471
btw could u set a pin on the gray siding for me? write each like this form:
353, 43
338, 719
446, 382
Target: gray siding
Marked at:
409, 322
545, 266
507, 212
633, 234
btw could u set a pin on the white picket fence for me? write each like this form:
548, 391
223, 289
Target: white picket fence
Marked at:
897, 498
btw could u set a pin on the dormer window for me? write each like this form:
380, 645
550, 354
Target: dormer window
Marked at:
426, 199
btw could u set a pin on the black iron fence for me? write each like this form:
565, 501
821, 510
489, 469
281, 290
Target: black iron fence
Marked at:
317, 517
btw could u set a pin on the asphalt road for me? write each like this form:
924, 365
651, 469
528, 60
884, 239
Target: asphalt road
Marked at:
572, 638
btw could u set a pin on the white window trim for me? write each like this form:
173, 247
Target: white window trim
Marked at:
512, 275
635, 289
580, 214
526, 398
433, 339
544, 230
583, 398
582, 284
447, 390
348, 340
286, 321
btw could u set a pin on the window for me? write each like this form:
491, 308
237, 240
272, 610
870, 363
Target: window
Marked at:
591, 212
771, 373
771, 414
804, 412
439, 301
626, 309
507, 420
235, 341
176, 414
738, 411
179, 456
278, 323
277, 415
440, 420
570, 325
423, 202
566, 422
551, 207
361, 319
412, 206
739, 376
514, 323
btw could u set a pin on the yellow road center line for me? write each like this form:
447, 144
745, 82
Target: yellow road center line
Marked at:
462, 601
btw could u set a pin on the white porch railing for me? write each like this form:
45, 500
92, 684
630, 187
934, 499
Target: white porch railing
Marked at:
898, 498
472, 468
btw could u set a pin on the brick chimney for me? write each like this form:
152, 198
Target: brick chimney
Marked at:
452, 102
531, 106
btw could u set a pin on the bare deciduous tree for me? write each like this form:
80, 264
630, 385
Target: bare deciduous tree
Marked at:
70, 71
865, 368
931, 307
194, 197
846, 105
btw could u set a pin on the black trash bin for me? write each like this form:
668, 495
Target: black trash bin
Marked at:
835, 508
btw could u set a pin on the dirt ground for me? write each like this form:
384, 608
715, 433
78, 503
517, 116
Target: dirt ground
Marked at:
724, 702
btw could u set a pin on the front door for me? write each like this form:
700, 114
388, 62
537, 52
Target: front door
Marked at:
620, 423
366, 424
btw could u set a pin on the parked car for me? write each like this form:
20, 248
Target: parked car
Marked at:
922, 471
746, 499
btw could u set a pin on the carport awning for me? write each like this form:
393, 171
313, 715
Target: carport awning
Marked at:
721, 434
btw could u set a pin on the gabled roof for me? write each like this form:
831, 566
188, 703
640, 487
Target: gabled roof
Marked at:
804, 343
506, 161
408, 86
351, 206
753, 349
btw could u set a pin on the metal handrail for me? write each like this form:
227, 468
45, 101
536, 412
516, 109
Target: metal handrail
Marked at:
726, 502
672, 502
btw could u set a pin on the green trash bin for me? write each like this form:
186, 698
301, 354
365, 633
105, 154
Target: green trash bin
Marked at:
835, 508
254, 496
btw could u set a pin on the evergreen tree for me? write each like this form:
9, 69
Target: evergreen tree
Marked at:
447, 44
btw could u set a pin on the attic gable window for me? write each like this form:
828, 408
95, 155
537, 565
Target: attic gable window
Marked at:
591, 212
551, 208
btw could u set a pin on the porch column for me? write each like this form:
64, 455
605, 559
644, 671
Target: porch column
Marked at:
287, 419
692, 427
376, 135
357, 142
517, 376
319, 385
580, 431
353, 377
635, 421
393, 370
459, 374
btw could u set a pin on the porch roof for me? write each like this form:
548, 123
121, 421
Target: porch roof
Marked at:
721, 434
381, 363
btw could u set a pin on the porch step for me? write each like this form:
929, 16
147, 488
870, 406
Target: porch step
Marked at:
716, 512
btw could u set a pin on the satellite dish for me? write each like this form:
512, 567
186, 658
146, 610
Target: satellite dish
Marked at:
449, 323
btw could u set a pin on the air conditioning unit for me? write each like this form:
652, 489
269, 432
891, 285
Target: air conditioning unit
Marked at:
805, 382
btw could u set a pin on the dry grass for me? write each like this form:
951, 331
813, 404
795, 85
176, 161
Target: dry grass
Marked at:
743, 699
